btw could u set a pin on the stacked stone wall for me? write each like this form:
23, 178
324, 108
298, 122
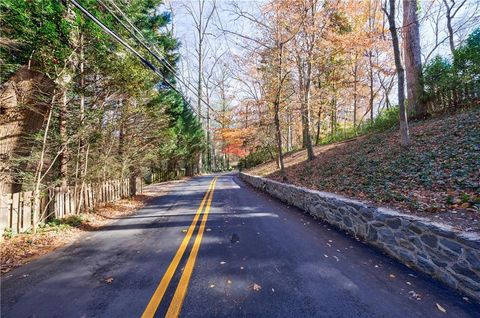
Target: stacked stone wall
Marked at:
450, 256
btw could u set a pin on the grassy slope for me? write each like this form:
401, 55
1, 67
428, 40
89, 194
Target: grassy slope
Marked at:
437, 177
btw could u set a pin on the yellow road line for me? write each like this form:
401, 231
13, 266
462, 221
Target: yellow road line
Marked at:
179, 296
162, 287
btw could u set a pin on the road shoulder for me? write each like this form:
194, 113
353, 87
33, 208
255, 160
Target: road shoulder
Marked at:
24, 248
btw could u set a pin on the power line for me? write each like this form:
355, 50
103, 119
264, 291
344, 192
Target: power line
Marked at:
162, 60
131, 49
115, 36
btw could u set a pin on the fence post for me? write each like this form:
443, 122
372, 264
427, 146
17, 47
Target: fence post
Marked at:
19, 211
5, 219
15, 214
27, 210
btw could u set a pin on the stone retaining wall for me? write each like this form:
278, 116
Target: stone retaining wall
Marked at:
450, 256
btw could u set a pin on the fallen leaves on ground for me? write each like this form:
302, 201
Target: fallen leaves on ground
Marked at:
437, 177
23, 248
441, 308
414, 295
256, 287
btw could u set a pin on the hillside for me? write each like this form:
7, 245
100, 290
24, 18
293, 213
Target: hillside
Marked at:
438, 177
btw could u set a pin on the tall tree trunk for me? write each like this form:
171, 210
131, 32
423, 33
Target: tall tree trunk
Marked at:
304, 109
413, 60
209, 147
289, 132
63, 134
121, 138
306, 132
278, 133
81, 169
37, 215
82, 85
355, 80
319, 125
245, 144
404, 133
199, 84
370, 75
333, 116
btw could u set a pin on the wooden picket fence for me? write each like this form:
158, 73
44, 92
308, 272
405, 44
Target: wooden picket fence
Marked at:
17, 209
446, 100
161, 176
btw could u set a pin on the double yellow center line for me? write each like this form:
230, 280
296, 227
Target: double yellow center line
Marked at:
181, 291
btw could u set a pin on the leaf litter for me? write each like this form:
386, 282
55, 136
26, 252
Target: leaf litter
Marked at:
256, 287
23, 248
436, 178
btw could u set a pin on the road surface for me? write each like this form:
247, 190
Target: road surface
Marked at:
227, 252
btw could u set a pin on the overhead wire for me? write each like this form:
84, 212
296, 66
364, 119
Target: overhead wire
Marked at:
161, 60
147, 63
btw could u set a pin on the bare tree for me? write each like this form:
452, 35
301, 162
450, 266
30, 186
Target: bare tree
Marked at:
460, 17
304, 44
452, 8
201, 21
271, 46
210, 85
222, 78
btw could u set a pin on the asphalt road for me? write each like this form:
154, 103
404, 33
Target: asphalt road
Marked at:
252, 257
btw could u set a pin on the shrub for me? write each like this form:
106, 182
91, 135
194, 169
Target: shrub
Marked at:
384, 121
60, 224
454, 82
259, 156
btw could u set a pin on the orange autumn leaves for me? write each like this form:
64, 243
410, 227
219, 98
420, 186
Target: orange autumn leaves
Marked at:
234, 140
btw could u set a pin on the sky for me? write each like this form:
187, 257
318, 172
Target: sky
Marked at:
218, 43
227, 45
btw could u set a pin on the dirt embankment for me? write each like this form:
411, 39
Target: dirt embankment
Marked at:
437, 177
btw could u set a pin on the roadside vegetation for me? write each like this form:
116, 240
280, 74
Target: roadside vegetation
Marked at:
94, 101
437, 177
388, 119
78, 107
18, 249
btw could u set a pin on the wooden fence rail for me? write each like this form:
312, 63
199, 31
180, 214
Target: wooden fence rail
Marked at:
17, 209
161, 176
443, 100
